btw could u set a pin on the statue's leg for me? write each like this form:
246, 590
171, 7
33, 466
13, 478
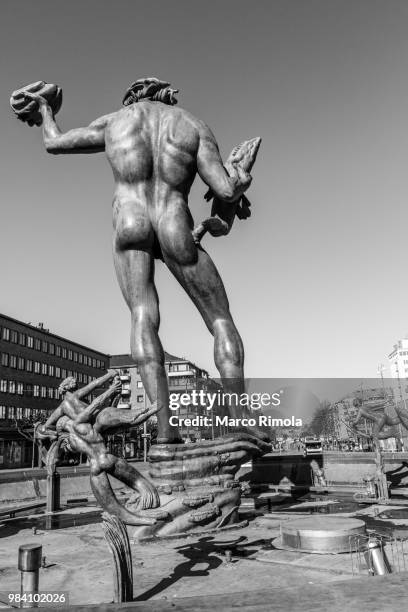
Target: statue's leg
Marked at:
134, 263
196, 272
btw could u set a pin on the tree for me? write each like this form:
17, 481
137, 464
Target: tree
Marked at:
26, 428
322, 423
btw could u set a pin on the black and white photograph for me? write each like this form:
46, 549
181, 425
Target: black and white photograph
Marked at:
204, 310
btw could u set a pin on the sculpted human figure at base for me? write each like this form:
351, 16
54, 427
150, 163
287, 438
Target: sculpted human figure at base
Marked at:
85, 425
155, 150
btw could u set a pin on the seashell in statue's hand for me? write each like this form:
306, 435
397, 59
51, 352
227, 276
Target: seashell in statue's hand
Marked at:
28, 110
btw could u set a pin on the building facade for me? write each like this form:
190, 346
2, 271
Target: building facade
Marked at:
183, 376
33, 362
398, 363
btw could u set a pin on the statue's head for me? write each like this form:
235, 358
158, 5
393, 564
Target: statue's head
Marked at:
152, 89
68, 384
61, 424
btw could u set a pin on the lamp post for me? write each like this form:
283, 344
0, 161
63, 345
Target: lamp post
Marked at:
403, 401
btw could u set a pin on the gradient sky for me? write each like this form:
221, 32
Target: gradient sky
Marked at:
317, 277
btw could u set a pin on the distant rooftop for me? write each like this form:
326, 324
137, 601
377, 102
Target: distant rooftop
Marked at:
41, 328
126, 360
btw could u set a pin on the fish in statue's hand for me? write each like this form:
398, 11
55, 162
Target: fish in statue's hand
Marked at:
238, 165
27, 109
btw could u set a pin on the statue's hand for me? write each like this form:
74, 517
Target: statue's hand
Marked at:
45, 433
35, 97
30, 102
117, 384
243, 178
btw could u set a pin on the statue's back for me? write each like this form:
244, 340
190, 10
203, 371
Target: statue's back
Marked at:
155, 143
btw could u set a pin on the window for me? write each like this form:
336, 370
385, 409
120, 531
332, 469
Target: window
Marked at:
80, 377
51, 348
27, 413
43, 391
20, 388
4, 359
57, 371
44, 368
21, 363
58, 350
22, 339
50, 370
29, 365
11, 412
14, 337
45, 346
94, 363
3, 386
64, 353
13, 361
56, 394
139, 398
63, 373
11, 386
37, 367
19, 413
29, 389
85, 360
30, 341
80, 358
75, 356
70, 373
50, 392
36, 390
70, 355
178, 367
139, 384
3, 412
37, 344
6, 333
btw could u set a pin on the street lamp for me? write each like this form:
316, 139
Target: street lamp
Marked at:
403, 401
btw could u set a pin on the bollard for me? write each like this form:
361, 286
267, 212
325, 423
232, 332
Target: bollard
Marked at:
376, 558
29, 563
228, 555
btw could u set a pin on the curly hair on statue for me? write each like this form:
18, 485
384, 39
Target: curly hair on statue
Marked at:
68, 384
150, 88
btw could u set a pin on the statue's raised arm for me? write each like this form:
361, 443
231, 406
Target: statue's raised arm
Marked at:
38, 103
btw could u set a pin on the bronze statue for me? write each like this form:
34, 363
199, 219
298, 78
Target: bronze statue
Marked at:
83, 426
381, 420
155, 150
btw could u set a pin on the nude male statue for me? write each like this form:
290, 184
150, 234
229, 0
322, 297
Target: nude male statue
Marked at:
381, 420
155, 150
86, 425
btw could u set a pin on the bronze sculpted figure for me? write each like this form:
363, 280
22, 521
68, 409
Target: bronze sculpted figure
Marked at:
381, 419
155, 150
83, 426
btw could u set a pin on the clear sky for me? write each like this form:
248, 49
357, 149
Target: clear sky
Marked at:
317, 277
